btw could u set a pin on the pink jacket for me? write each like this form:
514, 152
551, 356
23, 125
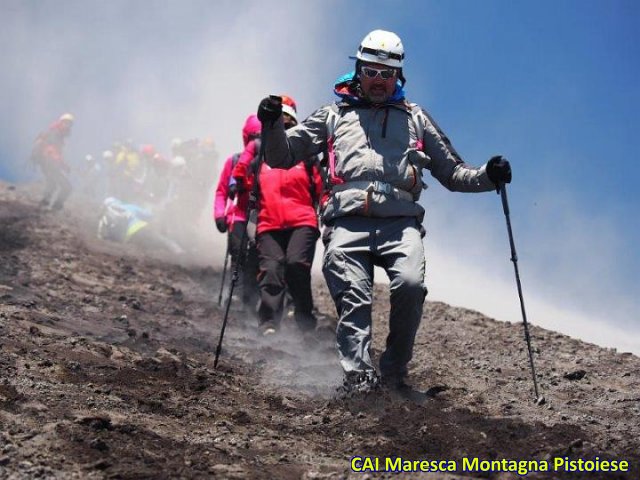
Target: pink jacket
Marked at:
223, 205
234, 209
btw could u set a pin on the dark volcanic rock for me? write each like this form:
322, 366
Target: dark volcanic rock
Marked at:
117, 378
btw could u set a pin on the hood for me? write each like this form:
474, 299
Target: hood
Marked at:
251, 128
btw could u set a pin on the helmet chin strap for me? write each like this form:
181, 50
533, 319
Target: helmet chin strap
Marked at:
356, 77
401, 77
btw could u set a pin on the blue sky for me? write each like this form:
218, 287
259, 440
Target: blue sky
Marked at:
554, 86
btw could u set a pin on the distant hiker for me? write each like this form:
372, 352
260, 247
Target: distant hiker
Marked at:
111, 172
48, 156
287, 230
130, 171
159, 183
229, 213
203, 169
91, 178
377, 145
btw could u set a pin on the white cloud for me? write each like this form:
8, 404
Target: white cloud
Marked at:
569, 266
195, 69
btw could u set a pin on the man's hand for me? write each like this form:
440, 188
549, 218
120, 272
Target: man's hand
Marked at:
270, 109
499, 170
221, 225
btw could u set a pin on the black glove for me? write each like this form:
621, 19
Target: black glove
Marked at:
499, 170
270, 109
221, 225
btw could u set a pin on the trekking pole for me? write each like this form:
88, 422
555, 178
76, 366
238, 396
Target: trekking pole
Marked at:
502, 190
234, 280
253, 203
224, 270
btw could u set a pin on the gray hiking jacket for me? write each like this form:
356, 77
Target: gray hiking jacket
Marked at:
373, 144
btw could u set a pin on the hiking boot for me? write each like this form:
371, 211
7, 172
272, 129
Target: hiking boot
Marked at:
359, 383
306, 322
268, 328
393, 382
326, 334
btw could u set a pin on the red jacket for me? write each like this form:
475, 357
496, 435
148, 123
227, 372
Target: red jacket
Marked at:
285, 194
49, 144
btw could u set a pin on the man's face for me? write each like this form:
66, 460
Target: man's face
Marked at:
66, 127
288, 121
378, 81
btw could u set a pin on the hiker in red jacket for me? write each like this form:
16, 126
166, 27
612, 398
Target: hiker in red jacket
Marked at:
47, 154
229, 212
287, 230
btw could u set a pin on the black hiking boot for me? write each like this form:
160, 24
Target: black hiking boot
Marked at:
394, 383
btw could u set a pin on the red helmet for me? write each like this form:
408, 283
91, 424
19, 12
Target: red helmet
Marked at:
251, 129
289, 107
148, 150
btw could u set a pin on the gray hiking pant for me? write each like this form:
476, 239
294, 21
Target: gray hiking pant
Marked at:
57, 186
353, 246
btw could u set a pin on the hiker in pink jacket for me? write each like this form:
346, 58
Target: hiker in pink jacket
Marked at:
230, 216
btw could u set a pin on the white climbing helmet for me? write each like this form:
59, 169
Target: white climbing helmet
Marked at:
67, 117
178, 162
380, 46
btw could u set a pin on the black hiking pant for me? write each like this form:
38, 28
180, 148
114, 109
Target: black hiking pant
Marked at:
286, 257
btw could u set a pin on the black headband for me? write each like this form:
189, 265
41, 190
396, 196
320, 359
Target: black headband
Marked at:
382, 53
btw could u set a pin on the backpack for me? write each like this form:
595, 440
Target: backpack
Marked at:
309, 164
234, 162
114, 223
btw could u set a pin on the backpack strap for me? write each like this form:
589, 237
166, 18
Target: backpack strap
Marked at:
420, 117
309, 164
417, 116
331, 122
234, 162
254, 168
